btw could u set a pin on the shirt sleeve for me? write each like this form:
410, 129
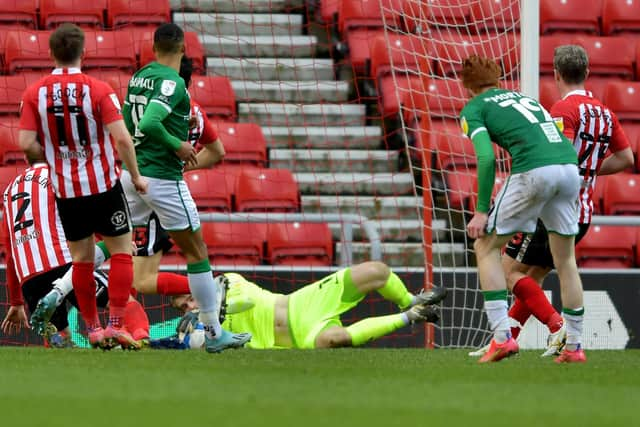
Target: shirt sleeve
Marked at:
108, 104
209, 133
473, 126
168, 93
13, 283
619, 140
565, 119
28, 111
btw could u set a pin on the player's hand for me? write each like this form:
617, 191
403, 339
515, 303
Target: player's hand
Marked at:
477, 226
15, 319
187, 153
141, 184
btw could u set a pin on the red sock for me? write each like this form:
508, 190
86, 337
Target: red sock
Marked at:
84, 287
531, 294
136, 320
172, 284
120, 281
520, 312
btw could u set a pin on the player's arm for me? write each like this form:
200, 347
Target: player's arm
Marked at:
16, 316
213, 149
566, 119
622, 156
28, 133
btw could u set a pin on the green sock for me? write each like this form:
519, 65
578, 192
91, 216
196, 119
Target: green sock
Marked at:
373, 328
395, 291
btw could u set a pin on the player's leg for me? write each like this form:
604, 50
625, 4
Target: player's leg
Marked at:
561, 217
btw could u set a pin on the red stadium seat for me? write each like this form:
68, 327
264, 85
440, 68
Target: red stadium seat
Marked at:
495, 15
453, 50
211, 189
117, 79
243, 143
8, 174
438, 12
624, 99
607, 247
549, 93
403, 90
109, 49
597, 85
400, 52
454, 152
215, 95
446, 97
367, 14
598, 194
301, 244
267, 190
328, 10
620, 16
501, 178
139, 12
234, 243
460, 187
27, 50
622, 195
89, 14
360, 42
609, 55
570, 16
547, 46
11, 89
192, 45
10, 152
19, 13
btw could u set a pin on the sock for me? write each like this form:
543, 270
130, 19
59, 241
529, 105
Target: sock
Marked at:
205, 292
495, 305
521, 313
395, 291
532, 295
120, 281
373, 328
63, 286
85, 290
136, 320
172, 284
101, 254
574, 318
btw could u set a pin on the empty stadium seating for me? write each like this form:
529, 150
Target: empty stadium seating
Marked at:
243, 143
10, 152
234, 243
11, 89
495, 15
624, 99
570, 16
267, 190
304, 244
620, 16
454, 151
446, 98
89, 14
109, 49
7, 174
215, 95
622, 195
211, 189
549, 93
137, 12
607, 247
19, 13
547, 46
144, 47
117, 79
27, 50
609, 55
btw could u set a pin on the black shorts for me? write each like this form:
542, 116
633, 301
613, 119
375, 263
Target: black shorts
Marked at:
533, 249
105, 213
38, 286
151, 238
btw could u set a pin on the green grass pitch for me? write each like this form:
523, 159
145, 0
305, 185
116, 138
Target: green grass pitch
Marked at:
350, 387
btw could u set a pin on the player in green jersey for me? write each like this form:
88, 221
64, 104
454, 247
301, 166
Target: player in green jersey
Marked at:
156, 112
310, 317
544, 183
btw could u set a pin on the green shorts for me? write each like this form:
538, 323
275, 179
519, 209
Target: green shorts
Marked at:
319, 305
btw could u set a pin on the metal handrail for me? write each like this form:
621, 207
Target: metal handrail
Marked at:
615, 220
346, 220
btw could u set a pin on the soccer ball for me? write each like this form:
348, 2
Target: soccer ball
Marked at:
195, 339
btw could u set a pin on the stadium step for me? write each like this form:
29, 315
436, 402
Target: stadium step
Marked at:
355, 183
239, 6
334, 160
369, 206
366, 137
291, 91
410, 254
232, 24
261, 46
394, 230
302, 114
283, 69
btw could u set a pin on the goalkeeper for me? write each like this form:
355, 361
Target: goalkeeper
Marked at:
310, 317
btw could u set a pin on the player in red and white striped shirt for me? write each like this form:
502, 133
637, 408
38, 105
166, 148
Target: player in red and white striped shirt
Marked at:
595, 131
69, 116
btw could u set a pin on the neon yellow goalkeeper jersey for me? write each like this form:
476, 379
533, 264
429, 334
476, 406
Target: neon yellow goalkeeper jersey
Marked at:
258, 319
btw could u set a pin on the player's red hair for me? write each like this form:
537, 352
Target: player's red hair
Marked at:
479, 72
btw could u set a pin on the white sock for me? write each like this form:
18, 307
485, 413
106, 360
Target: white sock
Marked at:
574, 328
63, 286
497, 312
205, 291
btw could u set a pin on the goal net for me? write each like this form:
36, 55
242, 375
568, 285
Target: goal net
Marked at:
339, 116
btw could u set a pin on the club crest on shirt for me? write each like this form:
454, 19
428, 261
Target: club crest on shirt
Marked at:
168, 87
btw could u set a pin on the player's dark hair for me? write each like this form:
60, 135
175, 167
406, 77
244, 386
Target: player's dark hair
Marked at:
67, 43
186, 69
168, 39
571, 62
479, 72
